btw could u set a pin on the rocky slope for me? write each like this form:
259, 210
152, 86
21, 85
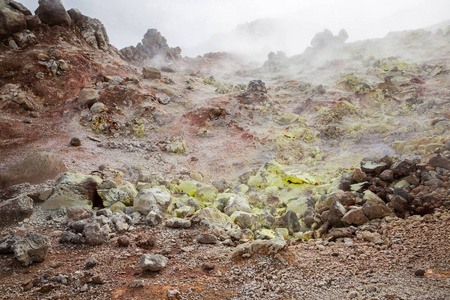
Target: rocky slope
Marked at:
316, 176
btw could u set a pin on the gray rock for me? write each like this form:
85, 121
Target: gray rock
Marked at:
206, 238
153, 262
33, 22
375, 210
73, 189
136, 284
15, 210
72, 238
153, 218
355, 216
267, 247
291, 221
7, 243
372, 237
373, 167
335, 214
75, 14
76, 213
31, 248
88, 96
78, 226
97, 108
245, 220
52, 12
369, 196
212, 215
94, 234
25, 38
125, 193
133, 54
12, 19
90, 263
93, 31
336, 233
173, 295
237, 203
151, 73
121, 226
151, 200
178, 223
153, 48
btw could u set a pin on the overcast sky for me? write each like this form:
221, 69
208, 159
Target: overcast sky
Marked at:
188, 23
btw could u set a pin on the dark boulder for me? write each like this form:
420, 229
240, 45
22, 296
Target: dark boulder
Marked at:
12, 19
52, 12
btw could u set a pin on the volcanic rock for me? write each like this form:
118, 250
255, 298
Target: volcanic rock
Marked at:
153, 262
73, 189
31, 248
267, 247
153, 199
52, 12
92, 30
335, 214
403, 168
7, 243
206, 238
437, 160
153, 47
151, 73
178, 223
355, 216
373, 167
375, 210
387, 175
94, 234
75, 142
245, 220
237, 203
12, 18
16, 209
291, 222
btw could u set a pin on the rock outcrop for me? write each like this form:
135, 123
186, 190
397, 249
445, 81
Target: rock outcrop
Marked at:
31, 248
52, 12
326, 38
153, 48
13, 17
92, 30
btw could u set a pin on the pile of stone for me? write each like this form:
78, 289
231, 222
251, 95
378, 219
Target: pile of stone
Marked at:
18, 23
256, 93
153, 48
380, 188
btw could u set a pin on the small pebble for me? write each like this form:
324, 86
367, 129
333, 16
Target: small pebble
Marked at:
75, 142
420, 272
123, 241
